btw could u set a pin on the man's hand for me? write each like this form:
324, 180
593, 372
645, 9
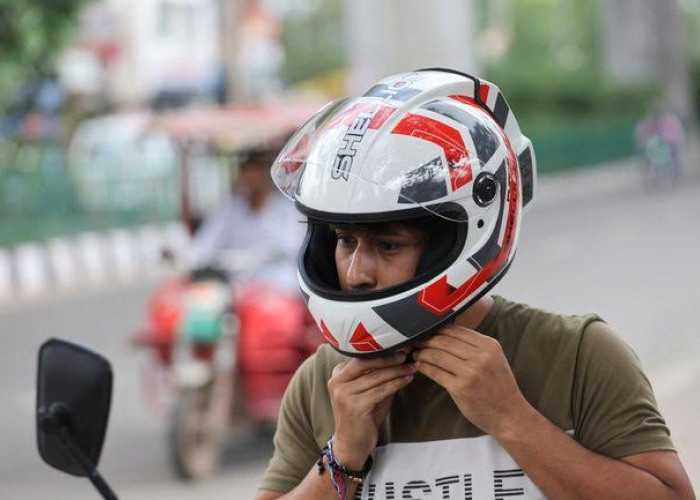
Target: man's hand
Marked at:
474, 370
361, 394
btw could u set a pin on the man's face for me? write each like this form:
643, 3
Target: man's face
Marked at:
370, 259
254, 178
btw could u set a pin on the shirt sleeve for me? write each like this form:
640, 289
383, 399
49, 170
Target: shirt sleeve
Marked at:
614, 409
295, 447
212, 236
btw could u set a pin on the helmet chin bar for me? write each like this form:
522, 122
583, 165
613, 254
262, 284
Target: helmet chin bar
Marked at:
407, 341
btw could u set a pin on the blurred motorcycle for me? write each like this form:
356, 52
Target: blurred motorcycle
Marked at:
224, 349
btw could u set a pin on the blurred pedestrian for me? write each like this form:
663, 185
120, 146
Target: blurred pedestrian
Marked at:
660, 138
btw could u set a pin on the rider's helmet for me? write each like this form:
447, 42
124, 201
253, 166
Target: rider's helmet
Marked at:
433, 143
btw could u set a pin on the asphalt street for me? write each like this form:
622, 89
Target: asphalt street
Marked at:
594, 242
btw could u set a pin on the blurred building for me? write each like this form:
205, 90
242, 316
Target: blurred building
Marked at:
131, 52
392, 36
254, 49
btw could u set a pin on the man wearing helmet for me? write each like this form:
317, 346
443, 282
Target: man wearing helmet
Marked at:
432, 389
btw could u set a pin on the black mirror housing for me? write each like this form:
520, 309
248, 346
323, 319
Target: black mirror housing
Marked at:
74, 393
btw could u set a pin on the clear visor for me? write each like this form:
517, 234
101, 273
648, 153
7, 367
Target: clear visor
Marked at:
323, 160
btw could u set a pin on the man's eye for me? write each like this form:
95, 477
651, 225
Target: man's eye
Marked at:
345, 241
388, 246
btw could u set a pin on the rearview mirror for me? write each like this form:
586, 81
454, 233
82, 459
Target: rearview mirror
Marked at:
74, 391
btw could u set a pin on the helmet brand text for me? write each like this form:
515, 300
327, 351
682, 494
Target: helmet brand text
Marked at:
342, 165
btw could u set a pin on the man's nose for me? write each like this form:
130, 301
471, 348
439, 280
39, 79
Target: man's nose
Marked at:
361, 274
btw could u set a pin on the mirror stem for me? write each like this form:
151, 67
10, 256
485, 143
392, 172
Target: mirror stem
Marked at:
54, 421
90, 470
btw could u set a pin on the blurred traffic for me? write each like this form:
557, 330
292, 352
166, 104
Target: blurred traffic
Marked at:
137, 215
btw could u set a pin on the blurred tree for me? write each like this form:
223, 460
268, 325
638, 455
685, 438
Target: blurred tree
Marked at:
644, 40
314, 41
692, 18
32, 32
548, 61
552, 67
539, 34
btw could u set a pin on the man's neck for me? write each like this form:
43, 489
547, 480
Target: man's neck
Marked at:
476, 313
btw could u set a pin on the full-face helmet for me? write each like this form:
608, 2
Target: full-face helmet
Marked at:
435, 143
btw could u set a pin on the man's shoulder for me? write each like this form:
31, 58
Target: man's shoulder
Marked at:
319, 366
517, 320
542, 347
541, 340
328, 358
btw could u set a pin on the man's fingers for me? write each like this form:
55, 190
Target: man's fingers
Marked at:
357, 367
380, 376
436, 374
449, 344
338, 368
467, 335
378, 393
445, 360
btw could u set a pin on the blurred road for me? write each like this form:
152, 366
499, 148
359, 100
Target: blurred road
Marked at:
595, 242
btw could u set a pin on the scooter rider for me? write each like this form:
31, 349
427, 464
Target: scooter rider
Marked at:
430, 387
254, 216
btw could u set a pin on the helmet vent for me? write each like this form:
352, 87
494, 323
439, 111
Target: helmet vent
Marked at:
485, 189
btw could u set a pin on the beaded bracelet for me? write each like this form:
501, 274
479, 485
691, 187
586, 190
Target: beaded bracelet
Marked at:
340, 473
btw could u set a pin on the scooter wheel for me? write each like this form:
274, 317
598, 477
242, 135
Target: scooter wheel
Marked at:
194, 441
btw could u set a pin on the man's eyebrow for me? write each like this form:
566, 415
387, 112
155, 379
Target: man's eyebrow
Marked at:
383, 230
350, 229
390, 231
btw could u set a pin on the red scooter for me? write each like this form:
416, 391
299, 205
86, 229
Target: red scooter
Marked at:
224, 348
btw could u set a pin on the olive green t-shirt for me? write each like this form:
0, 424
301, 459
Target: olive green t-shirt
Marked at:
573, 369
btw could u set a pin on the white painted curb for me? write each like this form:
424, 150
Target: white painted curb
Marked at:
124, 254
5, 276
62, 254
32, 276
91, 259
150, 245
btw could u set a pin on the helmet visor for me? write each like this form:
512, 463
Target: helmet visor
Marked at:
324, 160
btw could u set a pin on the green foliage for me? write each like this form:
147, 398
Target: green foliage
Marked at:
584, 142
314, 42
551, 72
31, 34
695, 82
693, 31
550, 97
574, 118
552, 78
39, 198
559, 33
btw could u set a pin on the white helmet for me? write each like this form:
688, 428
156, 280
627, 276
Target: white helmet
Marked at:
436, 143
